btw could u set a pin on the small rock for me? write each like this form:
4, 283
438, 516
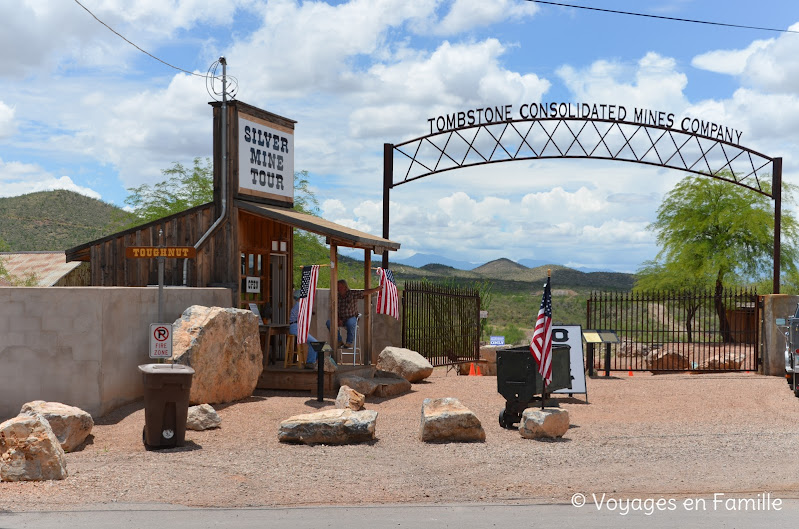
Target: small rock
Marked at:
547, 423
448, 420
349, 398
202, 417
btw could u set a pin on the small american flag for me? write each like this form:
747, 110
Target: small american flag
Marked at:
307, 293
541, 344
387, 297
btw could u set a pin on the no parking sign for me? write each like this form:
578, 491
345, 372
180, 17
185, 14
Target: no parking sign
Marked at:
160, 340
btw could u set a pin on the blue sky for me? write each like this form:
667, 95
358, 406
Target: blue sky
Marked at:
82, 109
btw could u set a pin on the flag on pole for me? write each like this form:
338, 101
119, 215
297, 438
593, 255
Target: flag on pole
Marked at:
541, 344
387, 297
307, 293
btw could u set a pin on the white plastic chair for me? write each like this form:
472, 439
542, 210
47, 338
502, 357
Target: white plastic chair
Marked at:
355, 349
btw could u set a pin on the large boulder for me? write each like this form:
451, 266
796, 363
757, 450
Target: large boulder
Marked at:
30, 451
383, 384
722, 361
331, 427
410, 365
223, 347
666, 359
548, 423
389, 384
70, 425
363, 385
447, 420
202, 417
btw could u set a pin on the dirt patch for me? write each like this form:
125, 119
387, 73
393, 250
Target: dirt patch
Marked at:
643, 434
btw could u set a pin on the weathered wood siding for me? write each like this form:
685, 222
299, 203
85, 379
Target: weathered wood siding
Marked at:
212, 267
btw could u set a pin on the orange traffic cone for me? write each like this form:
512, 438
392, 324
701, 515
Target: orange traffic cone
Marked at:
471, 370
479, 372
630, 373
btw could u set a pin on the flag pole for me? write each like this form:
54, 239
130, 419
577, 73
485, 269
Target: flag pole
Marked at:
543, 377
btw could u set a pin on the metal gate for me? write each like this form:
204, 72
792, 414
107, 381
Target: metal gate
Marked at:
441, 323
676, 331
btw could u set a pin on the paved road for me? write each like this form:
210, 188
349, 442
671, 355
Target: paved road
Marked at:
694, 515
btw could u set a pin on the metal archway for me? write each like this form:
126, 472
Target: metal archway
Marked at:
573, 137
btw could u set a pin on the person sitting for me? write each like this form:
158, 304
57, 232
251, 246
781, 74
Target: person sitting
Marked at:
294, 315
348, 310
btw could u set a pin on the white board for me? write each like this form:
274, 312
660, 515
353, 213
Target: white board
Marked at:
572, 335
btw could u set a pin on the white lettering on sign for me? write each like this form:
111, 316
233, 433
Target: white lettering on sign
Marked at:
253, 285
266, 159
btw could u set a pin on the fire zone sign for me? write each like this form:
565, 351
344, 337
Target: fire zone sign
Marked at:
160, 340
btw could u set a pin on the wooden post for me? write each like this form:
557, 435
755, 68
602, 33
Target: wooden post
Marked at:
334, 299
366, 350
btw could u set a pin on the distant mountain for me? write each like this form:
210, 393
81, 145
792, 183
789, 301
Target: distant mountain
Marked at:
532, 263
421, 259
55, 220
508, 275
500, 268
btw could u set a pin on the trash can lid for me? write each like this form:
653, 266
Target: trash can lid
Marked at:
166, 369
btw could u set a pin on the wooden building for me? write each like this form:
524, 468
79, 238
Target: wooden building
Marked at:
244, 238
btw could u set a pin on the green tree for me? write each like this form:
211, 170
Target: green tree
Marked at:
712, 232
183, 189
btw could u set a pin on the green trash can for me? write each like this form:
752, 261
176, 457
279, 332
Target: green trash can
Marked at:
166, 404
518, 379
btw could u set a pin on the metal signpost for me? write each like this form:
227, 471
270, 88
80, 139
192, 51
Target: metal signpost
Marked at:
160, 333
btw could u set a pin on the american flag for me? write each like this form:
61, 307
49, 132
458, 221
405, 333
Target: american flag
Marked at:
307, 293
387, 297
541, 344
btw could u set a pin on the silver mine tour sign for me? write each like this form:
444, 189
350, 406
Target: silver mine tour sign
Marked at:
588, 111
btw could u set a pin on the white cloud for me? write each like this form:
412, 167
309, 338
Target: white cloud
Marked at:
401, 96
768, 65
653, 83
467, 14
20, 179
332, 208
7, 123
558, 201
63, 34
307, 48
731, 62
140, 133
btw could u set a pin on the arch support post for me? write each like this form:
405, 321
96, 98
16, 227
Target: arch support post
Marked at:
388, 181
776, 190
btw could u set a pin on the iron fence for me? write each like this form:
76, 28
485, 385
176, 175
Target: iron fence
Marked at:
442, 323
676, 331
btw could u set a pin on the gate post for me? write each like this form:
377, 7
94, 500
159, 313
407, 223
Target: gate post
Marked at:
388, 180
776, 190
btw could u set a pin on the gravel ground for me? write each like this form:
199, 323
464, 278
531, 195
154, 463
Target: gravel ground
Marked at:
638, 436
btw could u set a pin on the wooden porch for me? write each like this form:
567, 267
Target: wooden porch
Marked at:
297, 379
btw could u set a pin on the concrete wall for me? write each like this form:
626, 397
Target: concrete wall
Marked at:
81, 345
772, 339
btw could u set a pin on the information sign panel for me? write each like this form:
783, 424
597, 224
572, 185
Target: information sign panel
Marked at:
572, 336
253, 285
